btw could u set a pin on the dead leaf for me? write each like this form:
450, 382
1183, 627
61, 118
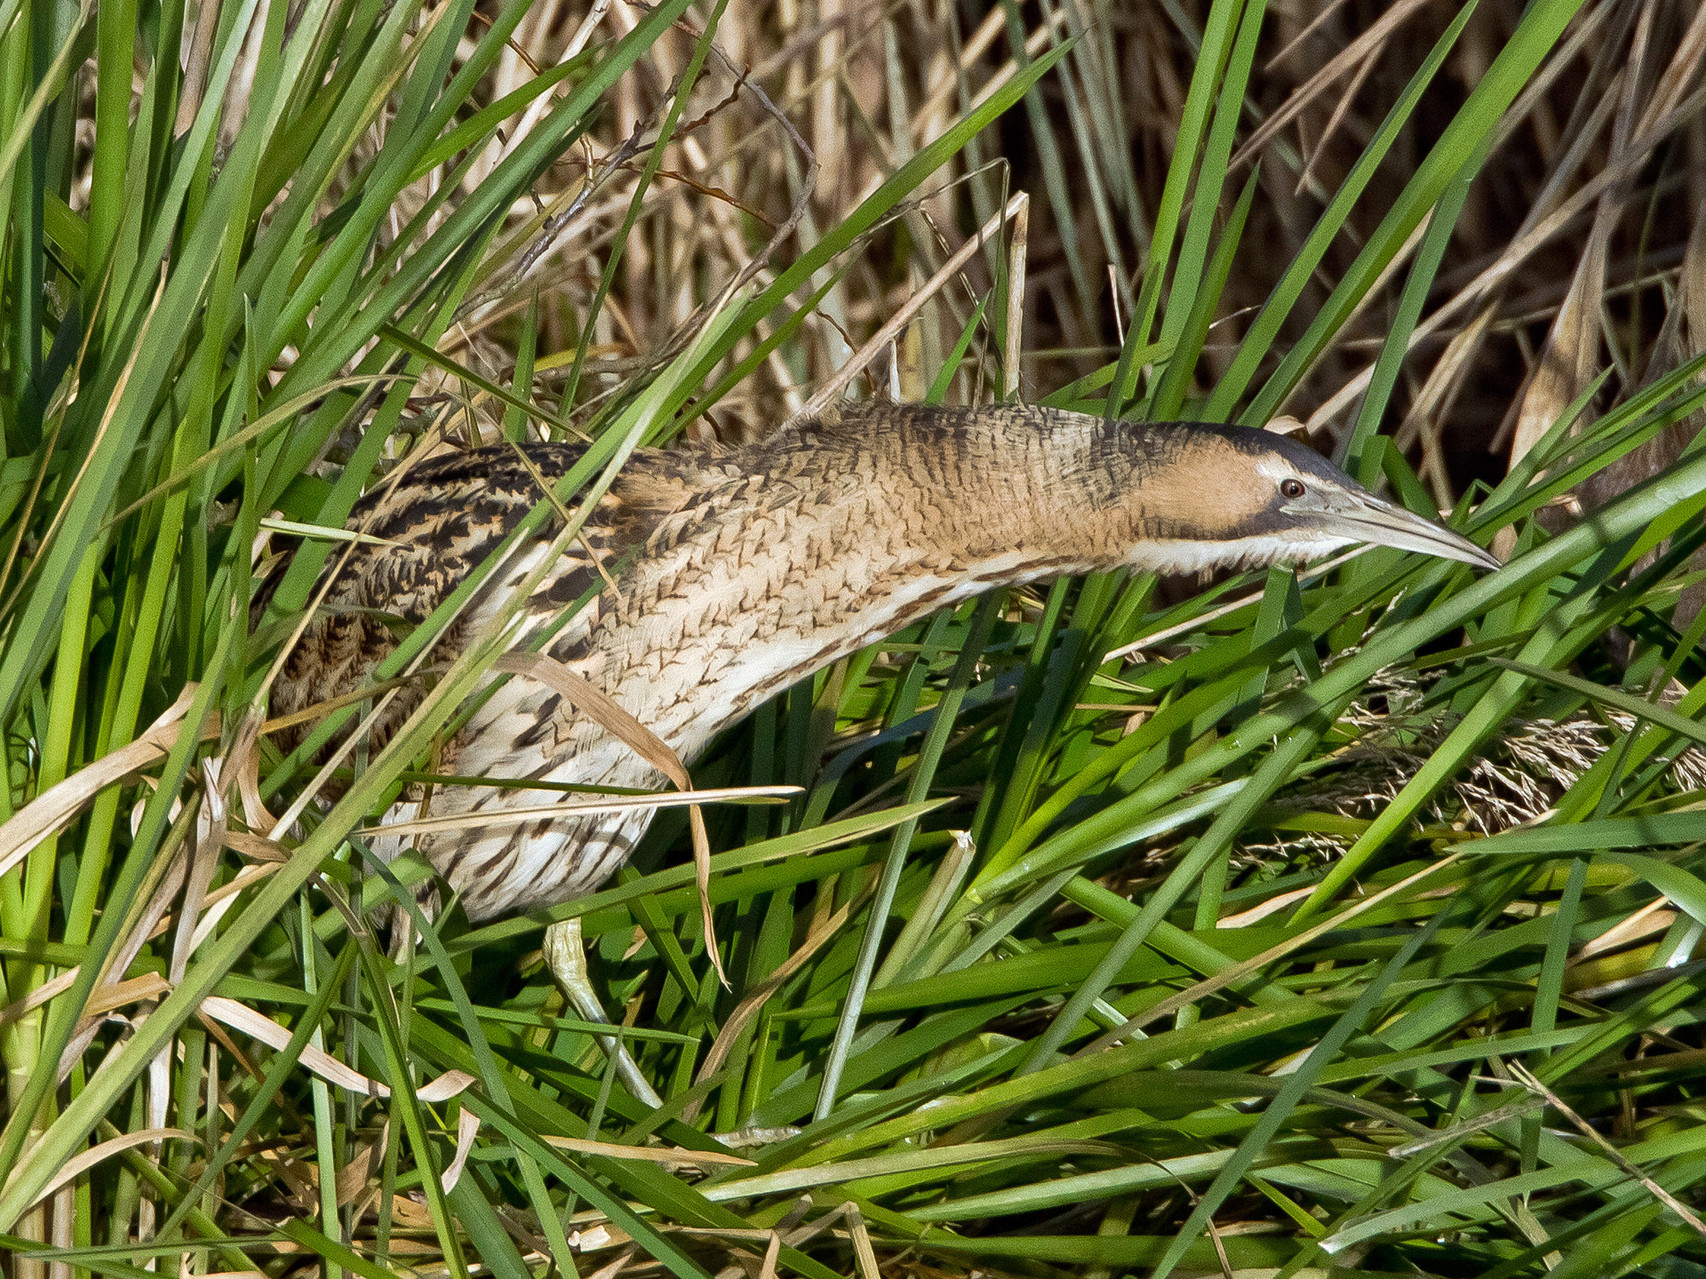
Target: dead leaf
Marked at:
81, 1162
58, 806
256, 1025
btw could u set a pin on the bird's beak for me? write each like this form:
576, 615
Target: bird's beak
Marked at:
1368, 519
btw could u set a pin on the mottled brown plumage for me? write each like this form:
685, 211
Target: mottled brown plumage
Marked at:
741, 571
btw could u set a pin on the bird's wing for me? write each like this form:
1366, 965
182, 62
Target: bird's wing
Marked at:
436, 525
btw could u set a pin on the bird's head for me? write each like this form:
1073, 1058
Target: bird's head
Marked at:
1202, 497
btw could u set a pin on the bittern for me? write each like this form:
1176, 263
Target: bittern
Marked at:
741, 570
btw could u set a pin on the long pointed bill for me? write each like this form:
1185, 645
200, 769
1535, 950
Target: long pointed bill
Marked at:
1381, 523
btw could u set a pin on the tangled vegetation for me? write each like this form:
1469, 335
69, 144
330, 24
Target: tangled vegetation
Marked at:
1342, 922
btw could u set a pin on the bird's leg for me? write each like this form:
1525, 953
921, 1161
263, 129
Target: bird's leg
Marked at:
566, 958
403, 933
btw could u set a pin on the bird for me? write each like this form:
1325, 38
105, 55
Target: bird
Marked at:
711, 577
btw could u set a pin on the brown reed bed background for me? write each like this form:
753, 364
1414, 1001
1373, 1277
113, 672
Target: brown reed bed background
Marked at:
1570, 253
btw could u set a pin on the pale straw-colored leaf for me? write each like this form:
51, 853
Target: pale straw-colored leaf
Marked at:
864, 1254
580, 807
204, 860
79, 1164
102, 1000
57, 807
1018, 253
467, 1128
1655, 917
258, 1026
325, 533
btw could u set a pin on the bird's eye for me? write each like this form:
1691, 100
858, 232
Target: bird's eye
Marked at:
1292, 489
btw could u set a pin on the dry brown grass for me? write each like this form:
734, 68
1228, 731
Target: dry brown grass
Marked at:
1572, 252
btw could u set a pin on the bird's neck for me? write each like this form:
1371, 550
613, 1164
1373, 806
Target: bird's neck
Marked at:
795, 553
